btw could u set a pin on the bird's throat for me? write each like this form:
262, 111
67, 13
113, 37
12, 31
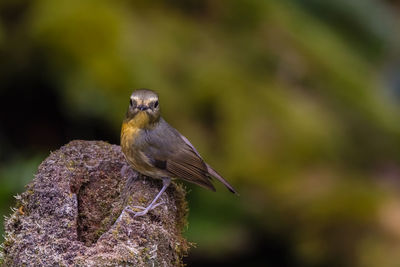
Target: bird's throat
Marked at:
132, 126
140, 121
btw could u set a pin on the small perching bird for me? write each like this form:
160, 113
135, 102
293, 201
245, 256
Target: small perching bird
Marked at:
154, 148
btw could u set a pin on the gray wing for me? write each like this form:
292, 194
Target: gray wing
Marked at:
169, 150
166, 150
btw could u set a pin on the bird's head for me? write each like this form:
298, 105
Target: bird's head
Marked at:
144, 108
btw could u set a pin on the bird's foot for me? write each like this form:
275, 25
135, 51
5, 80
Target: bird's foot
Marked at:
144, 210
152, 205
138, 213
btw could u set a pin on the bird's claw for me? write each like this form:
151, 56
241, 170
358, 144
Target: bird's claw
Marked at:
144, 210
150, 208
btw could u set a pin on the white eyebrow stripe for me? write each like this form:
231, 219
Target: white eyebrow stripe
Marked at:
146, 99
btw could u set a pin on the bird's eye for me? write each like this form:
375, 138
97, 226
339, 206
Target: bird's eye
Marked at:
132, 103
156, 104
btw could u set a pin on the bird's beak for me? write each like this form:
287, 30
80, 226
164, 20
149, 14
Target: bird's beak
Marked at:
142, 107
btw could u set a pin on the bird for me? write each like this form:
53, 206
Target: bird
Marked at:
155, 149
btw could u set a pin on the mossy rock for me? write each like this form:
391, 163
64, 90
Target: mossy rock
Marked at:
67, 215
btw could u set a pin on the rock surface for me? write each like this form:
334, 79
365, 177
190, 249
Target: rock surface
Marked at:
67, 216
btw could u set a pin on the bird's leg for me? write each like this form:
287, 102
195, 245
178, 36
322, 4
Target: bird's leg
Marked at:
124, 170
166, 182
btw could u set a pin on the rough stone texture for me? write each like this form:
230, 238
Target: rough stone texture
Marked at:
67, 215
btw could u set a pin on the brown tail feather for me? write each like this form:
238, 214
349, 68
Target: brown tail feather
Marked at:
211, 171
221, 179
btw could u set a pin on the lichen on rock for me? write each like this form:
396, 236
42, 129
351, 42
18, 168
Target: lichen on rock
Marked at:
67, 215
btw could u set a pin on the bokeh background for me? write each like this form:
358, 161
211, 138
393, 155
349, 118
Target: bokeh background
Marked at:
295, 102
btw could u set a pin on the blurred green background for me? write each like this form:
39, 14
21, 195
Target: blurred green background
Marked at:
295, 102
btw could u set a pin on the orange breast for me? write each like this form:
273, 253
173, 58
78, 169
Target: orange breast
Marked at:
129, 132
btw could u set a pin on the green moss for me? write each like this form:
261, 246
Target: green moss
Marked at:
100, 203
99, 232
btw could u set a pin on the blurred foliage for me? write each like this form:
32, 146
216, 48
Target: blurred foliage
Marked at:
296, 102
